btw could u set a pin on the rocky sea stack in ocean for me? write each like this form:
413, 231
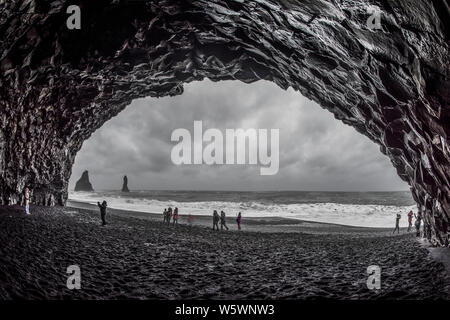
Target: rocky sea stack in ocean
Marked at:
83, 184
57, 86
125, 184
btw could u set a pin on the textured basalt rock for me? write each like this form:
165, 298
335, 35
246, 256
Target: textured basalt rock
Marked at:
83, 184
125, 184
57, 86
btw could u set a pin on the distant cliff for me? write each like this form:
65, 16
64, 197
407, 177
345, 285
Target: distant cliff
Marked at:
125, 184
83, 184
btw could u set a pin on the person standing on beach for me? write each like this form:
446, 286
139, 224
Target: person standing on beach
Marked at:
27, 200
169, 215
175, 216
223, 222
410, 216
397, 223
418, 223
103, 211
238, 220
216, 219
164, 215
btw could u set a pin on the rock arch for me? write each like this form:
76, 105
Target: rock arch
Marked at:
57, 86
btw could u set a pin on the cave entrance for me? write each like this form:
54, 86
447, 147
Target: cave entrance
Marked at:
328, 172
390, 83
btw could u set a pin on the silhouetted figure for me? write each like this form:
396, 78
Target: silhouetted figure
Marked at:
410, 216
27, 200
175, 216
165, 215
397, 223
418, 223
216, 219
238, 220
223, 222
169, 215
103, 207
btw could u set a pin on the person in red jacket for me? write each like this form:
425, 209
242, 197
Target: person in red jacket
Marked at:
410, 216
175, 216
238, 220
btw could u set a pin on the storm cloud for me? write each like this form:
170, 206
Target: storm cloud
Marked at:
317, 152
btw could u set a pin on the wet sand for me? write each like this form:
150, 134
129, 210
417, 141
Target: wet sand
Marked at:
137, 257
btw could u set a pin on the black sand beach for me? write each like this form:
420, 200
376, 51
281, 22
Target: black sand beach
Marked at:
135, 258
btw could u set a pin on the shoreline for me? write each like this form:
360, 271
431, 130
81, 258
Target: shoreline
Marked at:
136, 258
261, 224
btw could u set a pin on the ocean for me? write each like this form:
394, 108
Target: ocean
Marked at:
366, 209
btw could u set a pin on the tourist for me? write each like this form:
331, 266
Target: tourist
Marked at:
410, 216
418, 223
238, 220
175, 216
27, 200
223, 222
164, 215
216, 219
103, 211
169, 215
397, 223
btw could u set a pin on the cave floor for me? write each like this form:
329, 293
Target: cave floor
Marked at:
134, 258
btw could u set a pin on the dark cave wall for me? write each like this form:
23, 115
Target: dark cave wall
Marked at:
57, 86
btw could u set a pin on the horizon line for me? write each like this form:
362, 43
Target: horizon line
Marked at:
226, 190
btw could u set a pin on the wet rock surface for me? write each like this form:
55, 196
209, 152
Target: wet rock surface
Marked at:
83, 184
58, 86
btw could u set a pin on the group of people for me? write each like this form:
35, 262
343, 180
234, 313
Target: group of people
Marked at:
172, 215
417, 224
223, 220
168, 214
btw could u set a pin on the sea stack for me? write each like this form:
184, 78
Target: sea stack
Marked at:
125, 184
83, 183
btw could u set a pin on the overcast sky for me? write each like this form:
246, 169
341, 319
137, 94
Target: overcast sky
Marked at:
317, 152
